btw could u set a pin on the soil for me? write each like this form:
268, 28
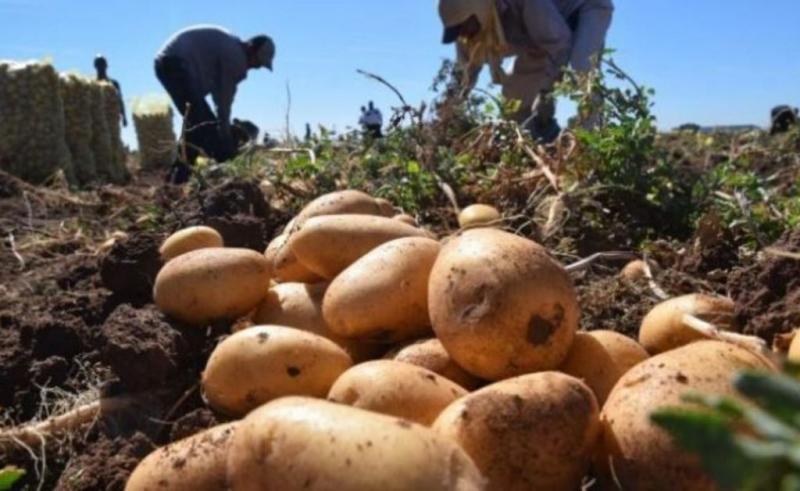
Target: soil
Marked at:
78, 320
767, 294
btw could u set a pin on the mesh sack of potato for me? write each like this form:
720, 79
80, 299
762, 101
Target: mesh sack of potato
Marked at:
152, 118
111, 109
76, 92
31, 121
101, 140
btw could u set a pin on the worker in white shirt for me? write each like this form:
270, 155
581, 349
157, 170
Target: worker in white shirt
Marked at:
544, 35
371, 121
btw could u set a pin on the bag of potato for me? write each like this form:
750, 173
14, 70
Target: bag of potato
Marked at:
111, 110
152, 119
101, 138
32, 144
76, 92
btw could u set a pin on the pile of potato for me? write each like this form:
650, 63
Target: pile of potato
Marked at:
32, 144
374, 356
152, 119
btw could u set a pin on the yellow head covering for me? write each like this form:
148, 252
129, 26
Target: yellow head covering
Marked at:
489, 45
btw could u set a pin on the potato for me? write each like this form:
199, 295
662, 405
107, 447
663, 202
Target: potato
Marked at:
396, 389
262, 363
300, 306
531, 432
285, 265
196, 463
794, 349
600, 358
500, 305
384, 294
634, 270
347, 202
327, 245
663, 328
212, 284
189, 239
478, 215
430, 354
406, 219
298, 443
644, 456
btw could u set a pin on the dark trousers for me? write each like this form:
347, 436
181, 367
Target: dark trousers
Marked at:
200, 125
374, 130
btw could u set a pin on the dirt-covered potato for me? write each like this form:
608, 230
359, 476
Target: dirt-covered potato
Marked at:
397, 389
664, 327
285, 266
478, 215
212, 284
299, 305
298, 443
430, 354
536, 431
196, 463
262, 363
189, 239
644, 457
600, 358
500, 305
327, 245
384, 294
794, 349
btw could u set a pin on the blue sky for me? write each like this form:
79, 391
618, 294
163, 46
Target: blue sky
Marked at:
710, 61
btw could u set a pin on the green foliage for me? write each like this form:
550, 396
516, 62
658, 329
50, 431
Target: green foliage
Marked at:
748, 444
10, 475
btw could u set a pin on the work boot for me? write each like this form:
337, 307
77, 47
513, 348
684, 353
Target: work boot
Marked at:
179, 173
544, 132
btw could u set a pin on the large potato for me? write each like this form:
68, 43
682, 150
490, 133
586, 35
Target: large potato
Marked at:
196, 463
262, 363
600, 358
285, 265
663, 328
397, 389
299, 305
531, 432
384, 294
211, 284
189, 239
430, 354
298, 443
644, 457
327, 245
500, 305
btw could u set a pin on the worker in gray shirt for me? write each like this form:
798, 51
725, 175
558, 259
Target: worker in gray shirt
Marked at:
543, 35
203, 60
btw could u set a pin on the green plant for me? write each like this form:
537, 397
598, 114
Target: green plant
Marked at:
10, 475
747, 444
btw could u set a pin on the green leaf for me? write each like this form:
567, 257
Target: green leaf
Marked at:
710, 436
9, 475
776, 393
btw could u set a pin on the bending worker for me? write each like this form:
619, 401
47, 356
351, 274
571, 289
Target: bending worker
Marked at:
544, 35
101, 67
204, 60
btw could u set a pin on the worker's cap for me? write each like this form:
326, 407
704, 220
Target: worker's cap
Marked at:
264, 50
455, 12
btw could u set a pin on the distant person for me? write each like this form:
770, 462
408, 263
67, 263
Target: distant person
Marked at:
783, 118
544, 35
101, 66
203, 60
372, 121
